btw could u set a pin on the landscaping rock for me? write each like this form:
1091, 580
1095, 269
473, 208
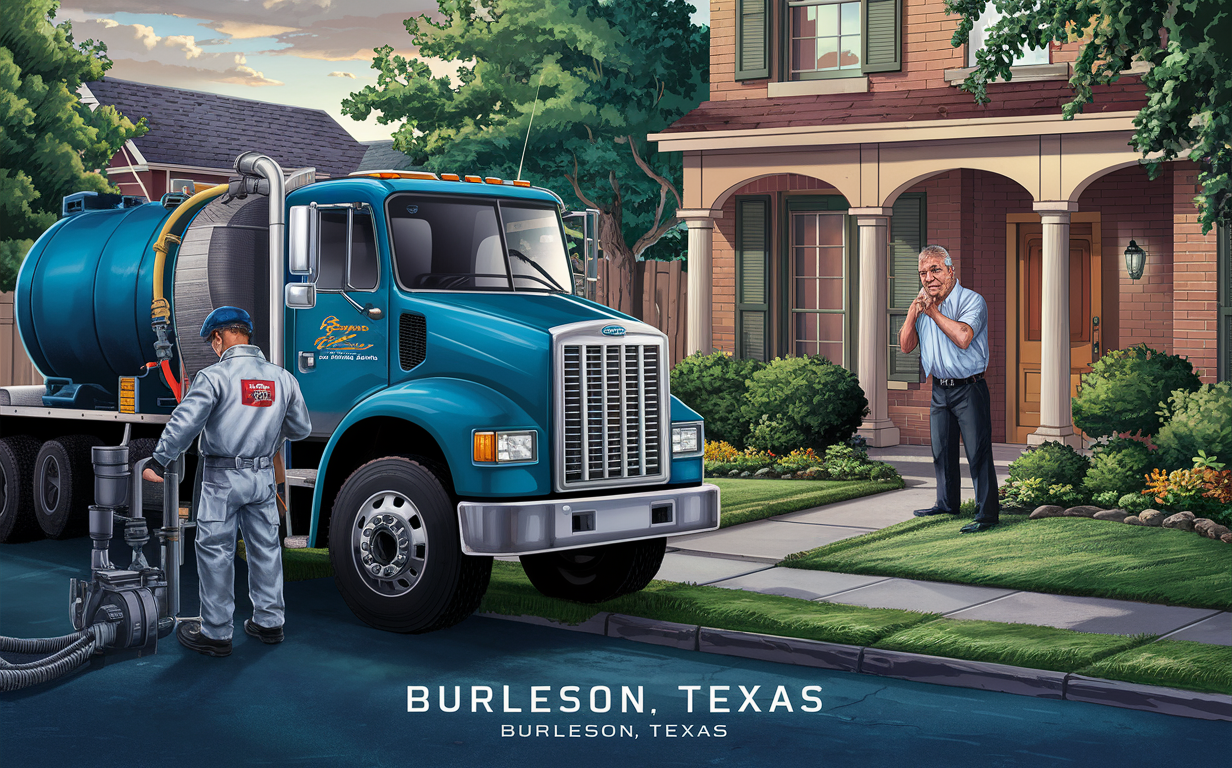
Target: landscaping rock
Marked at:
734, 473
1180, 522
1133, 520
1216, 532
1083, 510
785, 477
763, 472
1201, 524
1151, 517
1226, 538
1047, 510
1115, 515
746, 473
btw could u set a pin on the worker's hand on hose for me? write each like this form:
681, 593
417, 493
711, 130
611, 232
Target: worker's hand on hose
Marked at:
153, 472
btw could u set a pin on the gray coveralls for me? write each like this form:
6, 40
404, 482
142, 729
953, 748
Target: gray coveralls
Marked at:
243, 407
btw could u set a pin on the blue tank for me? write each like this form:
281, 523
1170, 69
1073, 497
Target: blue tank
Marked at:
84, 291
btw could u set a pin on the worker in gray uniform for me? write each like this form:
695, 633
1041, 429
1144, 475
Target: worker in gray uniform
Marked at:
244, 408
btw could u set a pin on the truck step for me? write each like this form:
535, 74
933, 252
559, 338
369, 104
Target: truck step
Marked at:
302, 478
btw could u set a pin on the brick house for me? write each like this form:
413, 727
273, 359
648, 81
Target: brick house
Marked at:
835, 144
196, 135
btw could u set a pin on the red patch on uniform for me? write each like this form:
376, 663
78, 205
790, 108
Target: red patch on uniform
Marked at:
258, 392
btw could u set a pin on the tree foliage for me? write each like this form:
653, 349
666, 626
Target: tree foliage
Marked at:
49, 140
604, 74
1188, 44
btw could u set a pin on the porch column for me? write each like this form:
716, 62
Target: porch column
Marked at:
873, 351
698, 335
1056, 421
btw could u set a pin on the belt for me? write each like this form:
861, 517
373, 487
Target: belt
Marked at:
947, 383
239, 462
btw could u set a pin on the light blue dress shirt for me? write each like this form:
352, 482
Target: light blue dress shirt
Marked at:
941, 357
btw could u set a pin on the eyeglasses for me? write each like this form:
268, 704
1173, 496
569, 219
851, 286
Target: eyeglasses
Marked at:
936, 271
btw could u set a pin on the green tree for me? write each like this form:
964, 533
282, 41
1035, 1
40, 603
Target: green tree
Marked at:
595, 77
1189, 83
48, 138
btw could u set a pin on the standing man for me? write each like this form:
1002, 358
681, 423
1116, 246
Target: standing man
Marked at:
244, 408
950, 323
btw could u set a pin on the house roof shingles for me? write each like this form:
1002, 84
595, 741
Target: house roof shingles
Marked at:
381, 156
209, 131
1008, 100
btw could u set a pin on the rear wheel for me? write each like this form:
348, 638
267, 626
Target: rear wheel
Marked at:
596, 574
17, 520
64, 485
396, 552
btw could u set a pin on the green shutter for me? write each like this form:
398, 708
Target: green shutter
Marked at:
883, 40
907, 233
752, 39
752, 277
1223, 255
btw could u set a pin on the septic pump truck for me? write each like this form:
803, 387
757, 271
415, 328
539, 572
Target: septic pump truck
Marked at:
465, 402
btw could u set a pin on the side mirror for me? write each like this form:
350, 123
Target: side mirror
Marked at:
303, 227
587, 242
300, 295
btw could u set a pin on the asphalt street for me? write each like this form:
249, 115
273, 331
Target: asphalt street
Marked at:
336, 693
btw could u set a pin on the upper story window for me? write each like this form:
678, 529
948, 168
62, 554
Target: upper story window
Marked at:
790, 40
979, 37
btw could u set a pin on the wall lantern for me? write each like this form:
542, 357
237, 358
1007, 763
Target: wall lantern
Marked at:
1135, 260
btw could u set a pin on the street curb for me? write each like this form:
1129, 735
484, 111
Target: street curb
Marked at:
900, 665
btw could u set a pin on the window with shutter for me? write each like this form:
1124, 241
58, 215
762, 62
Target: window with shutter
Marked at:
753, 277
907, 233
1223, 250
883, 40
752, 39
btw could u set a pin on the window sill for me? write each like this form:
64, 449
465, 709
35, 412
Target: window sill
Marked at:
891, 384
818, 87
1027, 74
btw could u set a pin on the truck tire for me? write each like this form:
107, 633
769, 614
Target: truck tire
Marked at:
17, 521
396, 552
64, 485
596, 574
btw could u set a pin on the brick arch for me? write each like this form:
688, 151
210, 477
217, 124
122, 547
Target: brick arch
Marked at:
1081, 186
1024, 184
779, 180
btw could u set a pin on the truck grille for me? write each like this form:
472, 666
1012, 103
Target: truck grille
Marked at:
613, 413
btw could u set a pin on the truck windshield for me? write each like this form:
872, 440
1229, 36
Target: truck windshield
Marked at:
457, 245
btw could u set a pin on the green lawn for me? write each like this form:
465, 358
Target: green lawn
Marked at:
746, 499
1064, 556
299, 564
1174, 663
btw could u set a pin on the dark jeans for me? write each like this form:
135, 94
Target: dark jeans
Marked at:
965, 408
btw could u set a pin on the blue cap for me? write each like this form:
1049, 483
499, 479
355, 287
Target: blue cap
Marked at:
225, 317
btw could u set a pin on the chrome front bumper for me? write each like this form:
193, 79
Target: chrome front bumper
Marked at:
530, 527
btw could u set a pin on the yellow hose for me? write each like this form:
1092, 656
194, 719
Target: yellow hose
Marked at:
160, 309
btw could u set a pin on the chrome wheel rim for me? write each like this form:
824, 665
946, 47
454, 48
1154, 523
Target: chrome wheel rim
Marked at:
389, 544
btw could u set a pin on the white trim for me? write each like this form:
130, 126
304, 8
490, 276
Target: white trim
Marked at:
138, 158
1024, 73
905, 131
818, 87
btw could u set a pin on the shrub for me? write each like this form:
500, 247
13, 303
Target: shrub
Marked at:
803, 402
1126, 388
714, 385
1133, 503
1034, 491
1105, 499
1182, 489
1118, 467
1052, 463
1197, 420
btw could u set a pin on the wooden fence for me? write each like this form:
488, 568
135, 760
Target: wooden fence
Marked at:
15, 366
663, 288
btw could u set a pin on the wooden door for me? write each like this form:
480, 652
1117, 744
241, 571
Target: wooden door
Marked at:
1084, 317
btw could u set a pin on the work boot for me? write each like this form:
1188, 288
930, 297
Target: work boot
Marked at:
267, 635
190, 636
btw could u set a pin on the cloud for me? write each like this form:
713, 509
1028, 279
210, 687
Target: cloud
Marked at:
341, 74
243, 30
185, 43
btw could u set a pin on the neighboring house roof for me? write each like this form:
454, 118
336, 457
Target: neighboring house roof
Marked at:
381, 156
1008, 100
209, 131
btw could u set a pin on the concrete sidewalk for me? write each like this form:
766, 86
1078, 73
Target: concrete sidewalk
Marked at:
744, 557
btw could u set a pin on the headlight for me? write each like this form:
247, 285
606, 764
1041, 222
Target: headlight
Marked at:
687, 439
504, 447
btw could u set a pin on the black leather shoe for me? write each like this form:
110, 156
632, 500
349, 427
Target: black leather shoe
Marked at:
977, 527
189, 635
267, 635
933, 511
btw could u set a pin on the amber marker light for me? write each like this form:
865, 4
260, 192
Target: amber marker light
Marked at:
450, 177
485, 447
474, 179
493, 180
521, 183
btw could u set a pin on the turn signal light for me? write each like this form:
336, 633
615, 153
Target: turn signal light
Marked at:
450, 177
485, 446
474, 179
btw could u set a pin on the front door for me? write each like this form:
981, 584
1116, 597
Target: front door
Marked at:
1084, 317
339, 354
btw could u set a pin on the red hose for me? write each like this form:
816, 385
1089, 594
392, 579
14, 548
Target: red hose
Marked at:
172, 382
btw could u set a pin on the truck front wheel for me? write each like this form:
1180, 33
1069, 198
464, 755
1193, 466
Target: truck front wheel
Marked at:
395, 548
596, 574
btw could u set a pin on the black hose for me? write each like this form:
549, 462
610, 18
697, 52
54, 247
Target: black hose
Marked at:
67, 653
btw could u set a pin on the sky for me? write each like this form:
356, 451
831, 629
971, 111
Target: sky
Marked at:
306, 53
